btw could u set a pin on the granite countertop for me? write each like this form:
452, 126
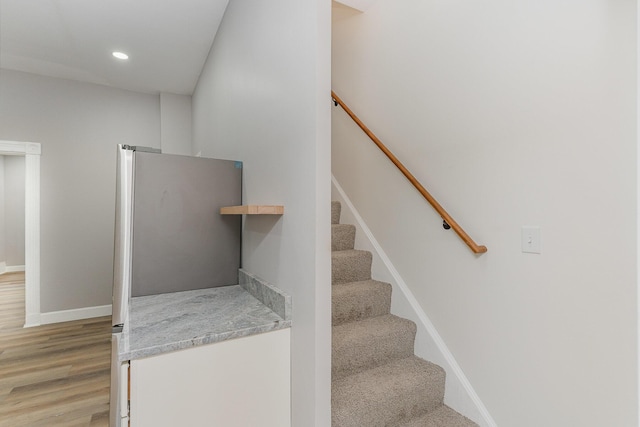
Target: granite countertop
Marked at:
175, 321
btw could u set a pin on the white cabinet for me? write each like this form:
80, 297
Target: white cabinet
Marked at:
243, 382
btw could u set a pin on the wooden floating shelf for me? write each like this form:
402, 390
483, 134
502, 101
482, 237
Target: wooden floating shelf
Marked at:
252, 210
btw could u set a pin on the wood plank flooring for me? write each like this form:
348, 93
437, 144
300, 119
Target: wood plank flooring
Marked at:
52, 375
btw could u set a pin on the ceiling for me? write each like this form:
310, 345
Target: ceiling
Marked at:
167, 40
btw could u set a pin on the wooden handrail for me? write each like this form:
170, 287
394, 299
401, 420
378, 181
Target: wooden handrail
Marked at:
478, 249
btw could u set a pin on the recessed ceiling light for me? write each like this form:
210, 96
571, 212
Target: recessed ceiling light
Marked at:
120, 55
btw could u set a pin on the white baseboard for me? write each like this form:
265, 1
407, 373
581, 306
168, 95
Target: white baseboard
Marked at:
14, 268
4, 268
459, 394
75, 314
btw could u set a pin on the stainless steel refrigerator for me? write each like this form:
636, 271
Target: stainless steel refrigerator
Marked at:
169, 234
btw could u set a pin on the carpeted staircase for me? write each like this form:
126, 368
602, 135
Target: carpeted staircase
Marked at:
376, 378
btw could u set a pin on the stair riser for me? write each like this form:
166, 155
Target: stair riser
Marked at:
360, 300
354, 266
335, 212
343, 237
443, 416
358, 346
376, 379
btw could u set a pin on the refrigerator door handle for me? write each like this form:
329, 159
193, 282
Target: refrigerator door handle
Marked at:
122, 236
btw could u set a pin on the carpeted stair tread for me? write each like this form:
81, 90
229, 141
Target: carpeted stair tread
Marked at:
343, 237
440, 417
358, 300
386, 395
336, 207
350, 266
371, 342
377, 381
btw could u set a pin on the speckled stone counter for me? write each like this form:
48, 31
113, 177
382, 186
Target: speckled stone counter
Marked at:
175, 321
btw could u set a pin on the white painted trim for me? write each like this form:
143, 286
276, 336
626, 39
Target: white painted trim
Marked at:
3, 267
360, 5
638, 217
75, 314
32, 320
13, 268
31, 151
459, 393
18, 148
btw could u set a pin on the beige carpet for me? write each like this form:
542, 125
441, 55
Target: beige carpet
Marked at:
377, 380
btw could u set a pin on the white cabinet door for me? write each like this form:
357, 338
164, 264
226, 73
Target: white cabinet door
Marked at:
243, 382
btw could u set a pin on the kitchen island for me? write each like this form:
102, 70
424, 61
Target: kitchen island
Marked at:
199, 357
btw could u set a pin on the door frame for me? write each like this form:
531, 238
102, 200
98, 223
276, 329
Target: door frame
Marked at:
31, 151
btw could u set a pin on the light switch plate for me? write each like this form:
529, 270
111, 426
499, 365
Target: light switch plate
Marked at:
531, 240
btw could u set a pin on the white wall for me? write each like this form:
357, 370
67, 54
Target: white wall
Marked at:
78, 125
263, 98
14, 214
175, 123
512, 114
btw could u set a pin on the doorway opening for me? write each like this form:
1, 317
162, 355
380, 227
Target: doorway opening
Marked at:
12, 180
31, 151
